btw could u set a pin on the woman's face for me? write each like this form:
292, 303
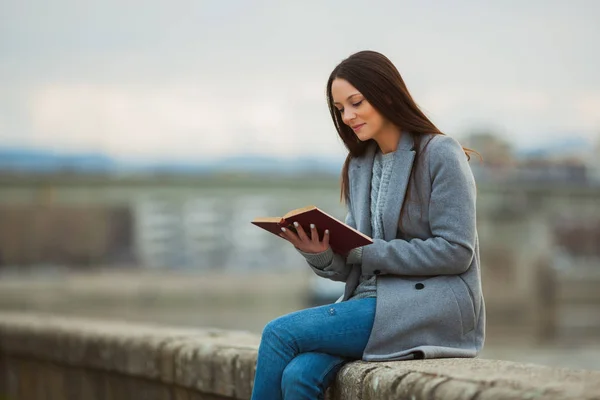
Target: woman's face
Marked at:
366, 122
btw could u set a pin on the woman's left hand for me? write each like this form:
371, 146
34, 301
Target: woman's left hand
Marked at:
304, 242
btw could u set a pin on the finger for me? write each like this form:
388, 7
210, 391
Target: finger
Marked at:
290, 236
301, 234
326, 238
314, 234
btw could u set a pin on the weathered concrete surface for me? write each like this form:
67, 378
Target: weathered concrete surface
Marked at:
478, 379
65, 358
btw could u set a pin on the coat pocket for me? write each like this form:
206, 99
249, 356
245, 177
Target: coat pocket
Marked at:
464, 301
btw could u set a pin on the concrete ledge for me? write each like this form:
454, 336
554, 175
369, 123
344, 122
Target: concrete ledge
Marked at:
120, 360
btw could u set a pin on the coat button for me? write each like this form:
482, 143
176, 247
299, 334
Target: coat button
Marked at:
377, 272
419, 286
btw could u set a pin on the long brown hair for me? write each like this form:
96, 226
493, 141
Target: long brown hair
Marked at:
378, 80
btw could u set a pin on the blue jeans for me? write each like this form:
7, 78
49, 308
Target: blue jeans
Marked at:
301, 352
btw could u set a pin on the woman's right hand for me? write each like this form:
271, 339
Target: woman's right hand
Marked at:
306, 243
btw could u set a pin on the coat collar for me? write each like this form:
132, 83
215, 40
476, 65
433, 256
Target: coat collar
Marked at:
360, 184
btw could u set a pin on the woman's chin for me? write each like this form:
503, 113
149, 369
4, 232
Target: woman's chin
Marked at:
363, 137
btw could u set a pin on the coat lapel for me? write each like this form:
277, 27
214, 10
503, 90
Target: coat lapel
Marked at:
401, 169
361, 190
361, 187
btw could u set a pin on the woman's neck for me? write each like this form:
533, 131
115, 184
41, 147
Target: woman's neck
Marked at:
388, 140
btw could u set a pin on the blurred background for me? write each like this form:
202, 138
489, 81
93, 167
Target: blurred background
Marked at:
139, 139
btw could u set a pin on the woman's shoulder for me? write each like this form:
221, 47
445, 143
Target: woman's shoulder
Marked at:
440, 147
439, 142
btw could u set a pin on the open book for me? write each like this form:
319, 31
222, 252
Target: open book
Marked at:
342, 237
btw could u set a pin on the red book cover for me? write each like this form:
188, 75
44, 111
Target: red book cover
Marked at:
342, 237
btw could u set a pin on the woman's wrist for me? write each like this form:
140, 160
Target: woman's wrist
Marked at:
321, 259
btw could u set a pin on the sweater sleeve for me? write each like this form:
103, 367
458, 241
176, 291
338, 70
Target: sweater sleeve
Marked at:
451, 248
324, 258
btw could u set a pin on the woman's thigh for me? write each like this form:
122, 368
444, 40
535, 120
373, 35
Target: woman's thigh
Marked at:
340, 329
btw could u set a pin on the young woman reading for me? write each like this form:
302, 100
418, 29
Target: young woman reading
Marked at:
415, 292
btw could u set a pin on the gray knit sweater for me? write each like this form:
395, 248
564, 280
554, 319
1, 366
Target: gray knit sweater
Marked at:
382, 171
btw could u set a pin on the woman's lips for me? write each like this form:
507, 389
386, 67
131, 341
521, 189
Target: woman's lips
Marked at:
357, 127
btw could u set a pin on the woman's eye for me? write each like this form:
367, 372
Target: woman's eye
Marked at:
341, 110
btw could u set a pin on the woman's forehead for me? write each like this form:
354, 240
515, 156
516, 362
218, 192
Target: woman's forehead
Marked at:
342, 90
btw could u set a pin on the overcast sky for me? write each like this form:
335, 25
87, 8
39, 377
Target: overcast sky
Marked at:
191, 79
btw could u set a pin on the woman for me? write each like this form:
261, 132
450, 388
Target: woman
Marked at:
416, 291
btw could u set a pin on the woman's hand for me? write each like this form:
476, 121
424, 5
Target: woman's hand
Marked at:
306, 243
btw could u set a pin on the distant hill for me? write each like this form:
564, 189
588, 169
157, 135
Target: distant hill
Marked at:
46, 161
39, 160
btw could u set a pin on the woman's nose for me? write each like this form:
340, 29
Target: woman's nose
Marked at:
348, 116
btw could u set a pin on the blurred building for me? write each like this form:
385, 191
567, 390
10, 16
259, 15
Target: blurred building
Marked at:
495, 151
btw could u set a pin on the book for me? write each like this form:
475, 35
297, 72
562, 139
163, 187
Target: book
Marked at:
342, 237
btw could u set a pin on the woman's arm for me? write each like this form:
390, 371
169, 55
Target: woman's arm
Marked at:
451, 248
328, 264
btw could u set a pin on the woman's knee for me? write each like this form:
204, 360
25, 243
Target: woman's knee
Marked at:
277, 334
273, 329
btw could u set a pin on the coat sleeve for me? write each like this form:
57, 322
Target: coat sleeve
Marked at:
328, 264
451, 247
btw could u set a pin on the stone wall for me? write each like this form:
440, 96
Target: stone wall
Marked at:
49, 357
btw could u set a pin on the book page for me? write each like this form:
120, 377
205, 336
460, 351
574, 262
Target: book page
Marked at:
267, 219
298, 211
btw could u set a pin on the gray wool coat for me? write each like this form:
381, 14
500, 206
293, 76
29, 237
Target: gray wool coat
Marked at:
429, 298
